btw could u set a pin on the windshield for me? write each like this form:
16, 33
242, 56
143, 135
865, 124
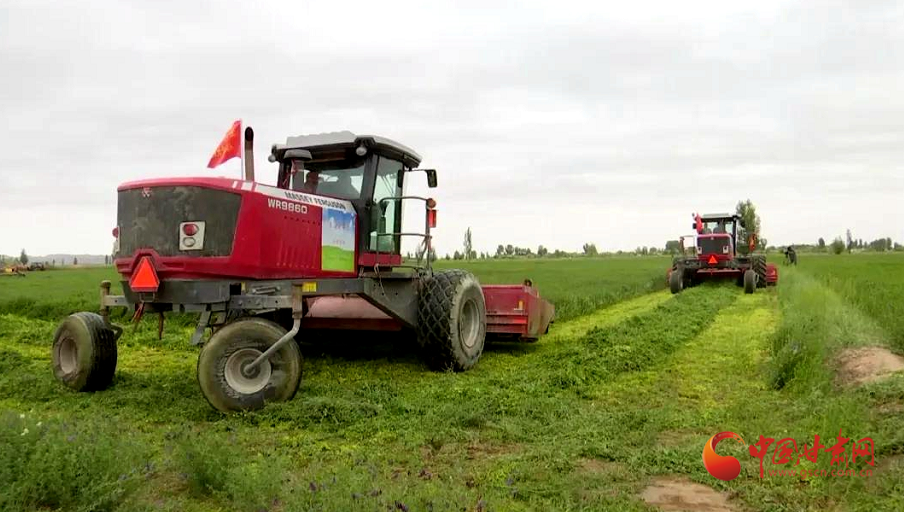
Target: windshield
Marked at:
722, 226
336, 178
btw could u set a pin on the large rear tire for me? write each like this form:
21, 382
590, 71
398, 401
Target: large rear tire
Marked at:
233, 347
758, 263
452, 323
749, 281
84, 352
676, 280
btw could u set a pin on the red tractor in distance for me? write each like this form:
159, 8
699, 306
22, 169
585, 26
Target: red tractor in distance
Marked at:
259, 264
715, 256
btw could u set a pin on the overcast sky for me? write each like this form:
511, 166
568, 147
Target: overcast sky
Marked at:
550, 123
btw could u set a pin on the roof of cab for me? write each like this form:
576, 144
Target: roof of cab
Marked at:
316, 141
717, 216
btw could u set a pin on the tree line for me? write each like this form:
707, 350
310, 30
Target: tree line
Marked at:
850, 244
24, 258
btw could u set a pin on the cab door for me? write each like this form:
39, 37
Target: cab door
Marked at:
386, 218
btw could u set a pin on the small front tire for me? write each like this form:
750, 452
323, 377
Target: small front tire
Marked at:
84, 352
234, 346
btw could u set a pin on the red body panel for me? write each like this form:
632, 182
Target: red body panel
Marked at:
771, 274
269, 243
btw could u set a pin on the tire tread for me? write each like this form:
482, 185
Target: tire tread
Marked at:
435, 329
758, 263
211, 380
102, 366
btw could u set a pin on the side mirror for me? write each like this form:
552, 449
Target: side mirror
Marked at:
431, 176
400, 177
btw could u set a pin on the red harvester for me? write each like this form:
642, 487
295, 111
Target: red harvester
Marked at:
259, 264
715, 256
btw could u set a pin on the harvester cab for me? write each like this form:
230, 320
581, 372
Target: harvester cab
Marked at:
717, 236
262, 264
717, 257
369, 172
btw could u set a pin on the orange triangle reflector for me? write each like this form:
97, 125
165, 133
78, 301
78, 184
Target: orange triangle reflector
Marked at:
712, 260
145, 277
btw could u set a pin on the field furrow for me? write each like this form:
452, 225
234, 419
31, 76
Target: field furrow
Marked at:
727, 358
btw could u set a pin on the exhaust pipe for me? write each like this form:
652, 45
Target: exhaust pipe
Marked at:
249, 154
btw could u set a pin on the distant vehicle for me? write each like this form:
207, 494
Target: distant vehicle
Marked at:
37, 266
15, 270
716, 257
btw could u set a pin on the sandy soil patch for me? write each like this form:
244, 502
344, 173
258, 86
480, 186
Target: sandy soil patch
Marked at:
680, 494
867, 364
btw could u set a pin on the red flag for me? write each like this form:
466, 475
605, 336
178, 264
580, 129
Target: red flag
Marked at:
230, 146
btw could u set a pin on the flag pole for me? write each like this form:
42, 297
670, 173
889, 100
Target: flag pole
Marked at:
242, 144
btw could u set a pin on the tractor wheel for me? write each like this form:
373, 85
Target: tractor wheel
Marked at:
676, 280
233, 347
749, 281
758, 263
84, 352
452, 320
